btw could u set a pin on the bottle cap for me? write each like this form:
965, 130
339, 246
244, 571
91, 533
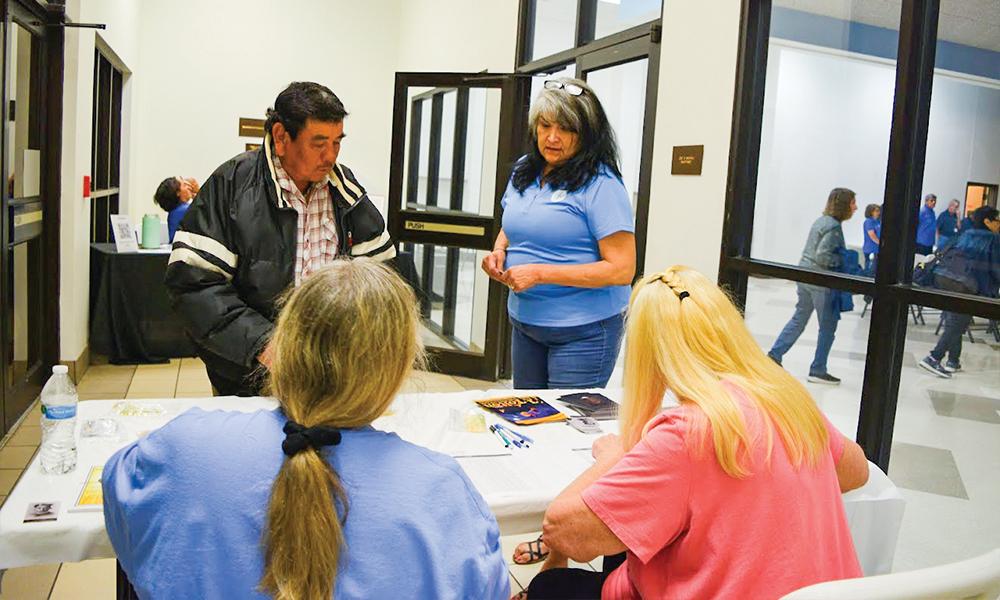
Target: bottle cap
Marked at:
60, 369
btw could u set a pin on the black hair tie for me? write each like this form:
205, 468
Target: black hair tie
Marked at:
298, 438
683, 295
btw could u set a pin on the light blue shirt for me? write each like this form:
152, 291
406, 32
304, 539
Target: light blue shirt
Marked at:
185, 508
556, 227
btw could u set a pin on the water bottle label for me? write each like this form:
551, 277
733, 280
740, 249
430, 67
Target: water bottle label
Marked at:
57, 413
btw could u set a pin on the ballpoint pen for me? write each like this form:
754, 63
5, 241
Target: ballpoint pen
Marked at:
506, 442
523, 437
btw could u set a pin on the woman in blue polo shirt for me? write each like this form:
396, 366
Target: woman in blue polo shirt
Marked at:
567, 246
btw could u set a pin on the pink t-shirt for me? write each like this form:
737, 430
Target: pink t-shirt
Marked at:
692, 531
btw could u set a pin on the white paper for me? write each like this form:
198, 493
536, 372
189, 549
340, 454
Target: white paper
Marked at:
124, 233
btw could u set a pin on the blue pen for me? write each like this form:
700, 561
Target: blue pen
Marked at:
506, 438
520, 435
506, 442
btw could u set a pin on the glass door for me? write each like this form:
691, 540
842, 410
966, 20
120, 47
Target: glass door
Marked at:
23, 299
455, 138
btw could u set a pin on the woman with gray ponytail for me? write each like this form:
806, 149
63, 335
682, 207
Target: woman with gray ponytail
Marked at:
567, 247
308, 501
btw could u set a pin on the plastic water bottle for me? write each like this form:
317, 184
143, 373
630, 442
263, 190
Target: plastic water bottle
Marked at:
59, 400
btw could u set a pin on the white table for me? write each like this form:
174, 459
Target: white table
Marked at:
516, 483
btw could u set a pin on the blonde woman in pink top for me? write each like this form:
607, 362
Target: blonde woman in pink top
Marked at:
733, 494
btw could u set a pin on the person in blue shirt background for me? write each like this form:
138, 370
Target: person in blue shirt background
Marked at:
927, 226
873, 234
971, 266
309, 500
567, 246
947, 224
174, 195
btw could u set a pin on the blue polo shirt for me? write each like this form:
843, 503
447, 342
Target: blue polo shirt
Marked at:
870, 247
549, 226
926, 228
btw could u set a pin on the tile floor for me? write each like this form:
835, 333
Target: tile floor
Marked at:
95, 579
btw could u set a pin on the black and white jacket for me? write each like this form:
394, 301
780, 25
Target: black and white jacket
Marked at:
234, 255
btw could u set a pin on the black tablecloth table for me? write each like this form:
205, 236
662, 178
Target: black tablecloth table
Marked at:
131, 320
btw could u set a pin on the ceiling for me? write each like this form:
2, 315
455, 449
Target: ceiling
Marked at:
969, 22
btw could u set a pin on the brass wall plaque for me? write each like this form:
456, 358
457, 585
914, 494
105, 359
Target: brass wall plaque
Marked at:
251, 127
687, 160
444, 228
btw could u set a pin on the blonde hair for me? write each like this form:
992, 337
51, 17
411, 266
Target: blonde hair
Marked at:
684, 334
344, 342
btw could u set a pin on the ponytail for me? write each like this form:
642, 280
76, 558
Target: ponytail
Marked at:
304, 535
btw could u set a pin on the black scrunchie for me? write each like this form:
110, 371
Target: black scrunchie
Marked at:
298, 438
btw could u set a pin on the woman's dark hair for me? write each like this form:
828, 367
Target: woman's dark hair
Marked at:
981, 214
303, 100
584, 116
870, 209
166, 194
838, 205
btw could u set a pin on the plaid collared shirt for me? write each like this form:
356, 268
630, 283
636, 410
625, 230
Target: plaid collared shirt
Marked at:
316, 238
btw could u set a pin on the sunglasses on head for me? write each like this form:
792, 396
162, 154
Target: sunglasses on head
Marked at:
570, 88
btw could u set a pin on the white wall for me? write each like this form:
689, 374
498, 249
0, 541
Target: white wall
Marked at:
827, 117
120, 16
206, 64
694, 106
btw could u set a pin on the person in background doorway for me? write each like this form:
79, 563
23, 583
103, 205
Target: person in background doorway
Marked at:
927, 226
735, 493
263, 222
567, 247
308, 500
174, 195
872, 230
824, 250
947, 224
971, 266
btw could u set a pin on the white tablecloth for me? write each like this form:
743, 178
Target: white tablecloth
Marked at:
517, 484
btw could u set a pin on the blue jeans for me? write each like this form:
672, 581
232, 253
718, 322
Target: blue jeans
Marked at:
577, 357
810, 298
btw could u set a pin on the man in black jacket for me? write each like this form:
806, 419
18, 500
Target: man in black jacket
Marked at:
261, 223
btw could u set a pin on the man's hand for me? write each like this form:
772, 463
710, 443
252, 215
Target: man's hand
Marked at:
608, 448
493, 264
523, 277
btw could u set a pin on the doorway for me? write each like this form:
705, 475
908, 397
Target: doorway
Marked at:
979, 194
455, 138
29, 230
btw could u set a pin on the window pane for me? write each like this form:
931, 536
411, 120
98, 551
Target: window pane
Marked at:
622, 91
617, 15
802, 328
24, 155
963, 135
945, 443
827, 114
554, 27
453, 295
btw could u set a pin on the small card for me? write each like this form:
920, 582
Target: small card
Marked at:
124, 233
41, 511
91, 495
585, 424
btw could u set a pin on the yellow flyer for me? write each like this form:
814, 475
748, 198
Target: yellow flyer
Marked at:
91, 496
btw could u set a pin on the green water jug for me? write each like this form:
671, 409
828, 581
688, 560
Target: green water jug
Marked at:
151, 231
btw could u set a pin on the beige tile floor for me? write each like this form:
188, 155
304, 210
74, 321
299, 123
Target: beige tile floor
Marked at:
95, 579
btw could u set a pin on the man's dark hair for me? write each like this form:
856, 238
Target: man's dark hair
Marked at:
982, 213
167, 194
303, 100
